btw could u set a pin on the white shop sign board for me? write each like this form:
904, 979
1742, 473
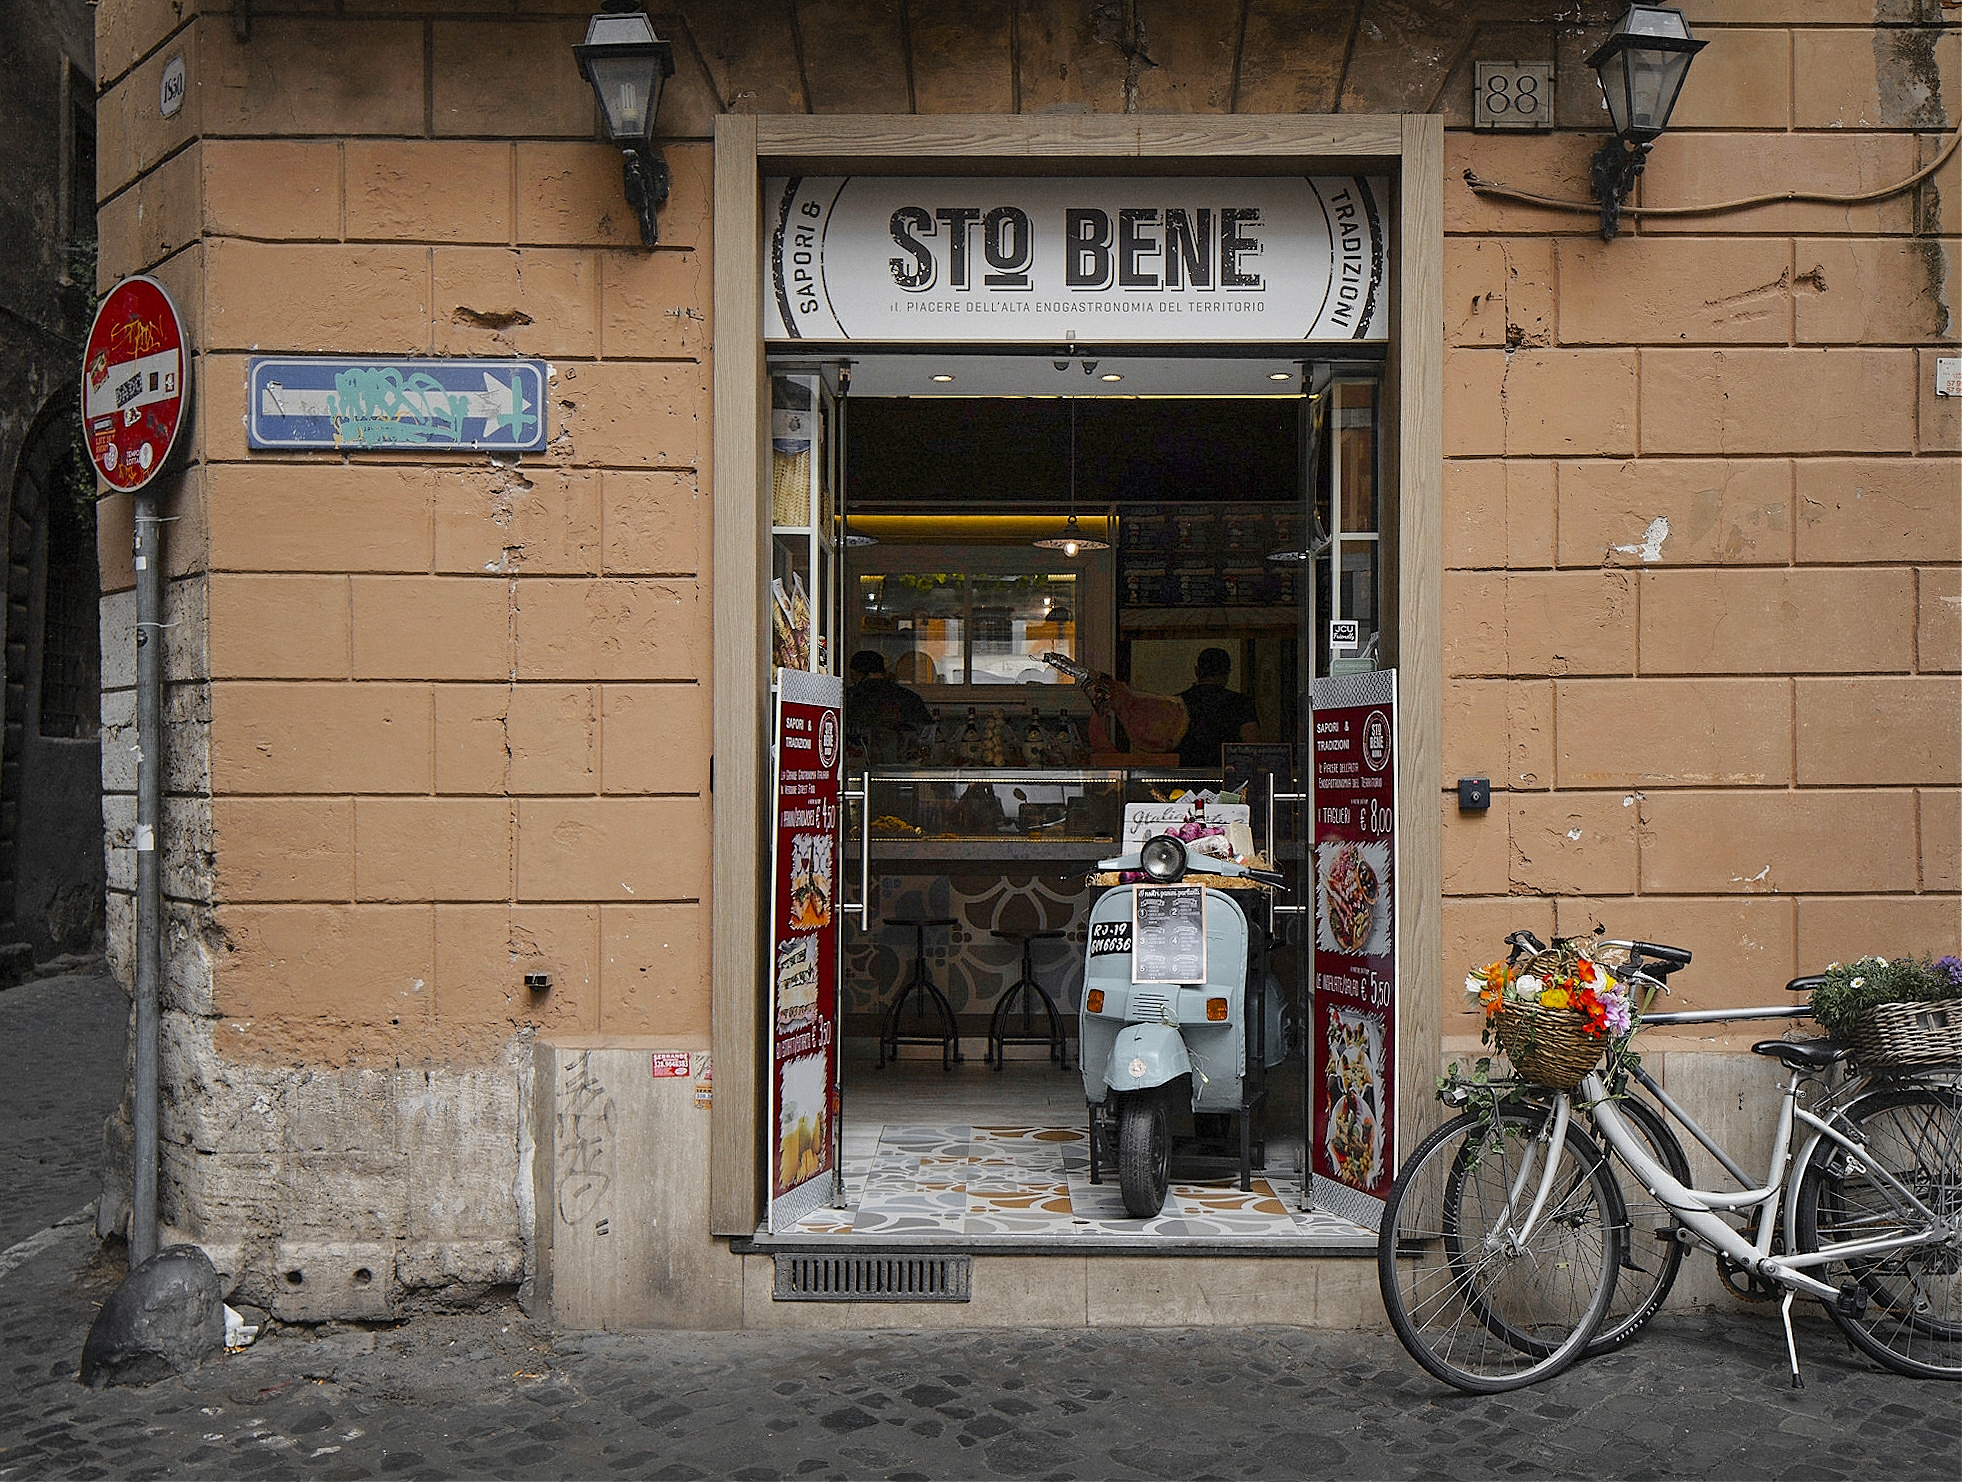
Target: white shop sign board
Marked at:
1107, 261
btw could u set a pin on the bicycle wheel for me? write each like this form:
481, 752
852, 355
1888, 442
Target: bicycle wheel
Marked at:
1477, 1305
1651, 1255
1903, 1307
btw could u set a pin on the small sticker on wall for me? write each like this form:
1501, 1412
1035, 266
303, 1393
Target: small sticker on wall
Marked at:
1948, 376
672, 1065
704, 1082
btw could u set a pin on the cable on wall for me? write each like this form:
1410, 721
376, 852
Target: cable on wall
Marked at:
1506, 192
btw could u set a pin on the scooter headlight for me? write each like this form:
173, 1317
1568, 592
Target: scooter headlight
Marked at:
1162, 858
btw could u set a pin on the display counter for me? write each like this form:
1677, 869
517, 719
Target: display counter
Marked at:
997, 813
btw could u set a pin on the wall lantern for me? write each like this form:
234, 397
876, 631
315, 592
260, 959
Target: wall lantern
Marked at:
1641, 65
626, 63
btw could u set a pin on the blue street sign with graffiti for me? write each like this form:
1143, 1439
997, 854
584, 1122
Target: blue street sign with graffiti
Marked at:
343, 403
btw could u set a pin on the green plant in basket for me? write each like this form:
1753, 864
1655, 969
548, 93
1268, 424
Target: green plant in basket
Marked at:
1852, 989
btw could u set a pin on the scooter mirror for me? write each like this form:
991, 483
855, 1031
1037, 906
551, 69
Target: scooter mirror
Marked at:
1162, 858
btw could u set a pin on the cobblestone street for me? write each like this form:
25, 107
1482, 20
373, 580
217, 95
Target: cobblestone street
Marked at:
491, 1394
62, 1041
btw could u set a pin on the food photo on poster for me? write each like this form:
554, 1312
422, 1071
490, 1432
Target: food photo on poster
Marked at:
1353, 1068
803, 1121
1352, 881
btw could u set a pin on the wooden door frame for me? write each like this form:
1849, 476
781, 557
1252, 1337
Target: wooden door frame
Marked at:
749, 147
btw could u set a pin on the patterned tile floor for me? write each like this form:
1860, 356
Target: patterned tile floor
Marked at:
956, 1179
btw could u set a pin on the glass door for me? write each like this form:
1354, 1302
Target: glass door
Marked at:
1342, 456
808, 893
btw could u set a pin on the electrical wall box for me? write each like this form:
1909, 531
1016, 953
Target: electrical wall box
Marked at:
1513, 95
542, 982
1474, 794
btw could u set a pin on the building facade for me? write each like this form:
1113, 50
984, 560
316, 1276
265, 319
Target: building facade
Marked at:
1678, 566
51, 871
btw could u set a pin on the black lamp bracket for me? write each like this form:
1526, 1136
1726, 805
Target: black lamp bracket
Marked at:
644, 173
1617, 165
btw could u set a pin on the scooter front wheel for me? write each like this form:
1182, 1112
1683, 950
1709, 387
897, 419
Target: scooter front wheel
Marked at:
1144, 1153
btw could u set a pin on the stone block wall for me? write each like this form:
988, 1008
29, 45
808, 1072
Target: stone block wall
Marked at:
1702, 506
440, 720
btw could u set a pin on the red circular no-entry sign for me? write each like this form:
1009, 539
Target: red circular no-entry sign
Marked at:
133, 375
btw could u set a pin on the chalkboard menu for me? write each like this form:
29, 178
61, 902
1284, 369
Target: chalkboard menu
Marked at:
1168, 934
1207, 555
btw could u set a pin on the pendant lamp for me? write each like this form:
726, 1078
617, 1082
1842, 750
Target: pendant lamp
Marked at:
1072, 541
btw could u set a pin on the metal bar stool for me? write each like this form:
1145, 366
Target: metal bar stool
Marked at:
1029, 993
931, 998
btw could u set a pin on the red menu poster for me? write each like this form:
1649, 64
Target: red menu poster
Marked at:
803, 963
1355, 1015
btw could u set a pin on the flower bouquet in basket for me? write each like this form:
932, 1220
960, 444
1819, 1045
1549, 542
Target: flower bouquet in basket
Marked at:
1899, 1011
1553, 1013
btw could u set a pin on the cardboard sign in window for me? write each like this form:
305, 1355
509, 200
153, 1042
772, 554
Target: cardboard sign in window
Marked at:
1168, 934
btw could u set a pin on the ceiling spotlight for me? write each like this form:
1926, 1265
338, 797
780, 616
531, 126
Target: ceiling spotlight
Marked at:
943, 379
1111, 376
1280, 375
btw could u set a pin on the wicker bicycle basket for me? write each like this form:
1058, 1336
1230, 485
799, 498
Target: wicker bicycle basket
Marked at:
1909, 1034
1548, 1047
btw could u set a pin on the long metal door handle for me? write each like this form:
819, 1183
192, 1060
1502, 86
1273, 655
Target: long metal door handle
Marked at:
863, 796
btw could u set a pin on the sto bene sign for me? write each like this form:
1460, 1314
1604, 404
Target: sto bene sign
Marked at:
1109, 261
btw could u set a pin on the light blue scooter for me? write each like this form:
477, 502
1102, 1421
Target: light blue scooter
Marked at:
1141, 1044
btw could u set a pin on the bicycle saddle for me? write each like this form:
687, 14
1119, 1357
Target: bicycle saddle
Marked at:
1803, 1054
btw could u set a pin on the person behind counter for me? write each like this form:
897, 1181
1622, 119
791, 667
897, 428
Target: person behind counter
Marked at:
1217, 714
879, 710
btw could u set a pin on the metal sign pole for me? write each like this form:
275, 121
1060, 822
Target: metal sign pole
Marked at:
149, 878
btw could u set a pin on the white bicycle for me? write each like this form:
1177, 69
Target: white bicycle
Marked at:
1510, 1245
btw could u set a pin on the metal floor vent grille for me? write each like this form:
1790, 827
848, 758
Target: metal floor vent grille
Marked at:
886, 1278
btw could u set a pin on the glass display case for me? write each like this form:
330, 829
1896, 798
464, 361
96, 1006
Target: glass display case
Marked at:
970, 807
953, 815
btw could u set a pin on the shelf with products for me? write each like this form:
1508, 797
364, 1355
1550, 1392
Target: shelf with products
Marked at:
976, 733
804, 477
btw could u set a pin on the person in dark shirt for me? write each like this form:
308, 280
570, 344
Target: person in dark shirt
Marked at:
878, 709
1216, 714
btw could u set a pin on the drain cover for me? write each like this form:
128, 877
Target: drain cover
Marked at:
882, 1278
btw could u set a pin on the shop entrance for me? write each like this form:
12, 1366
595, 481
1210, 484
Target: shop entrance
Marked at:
966, 540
